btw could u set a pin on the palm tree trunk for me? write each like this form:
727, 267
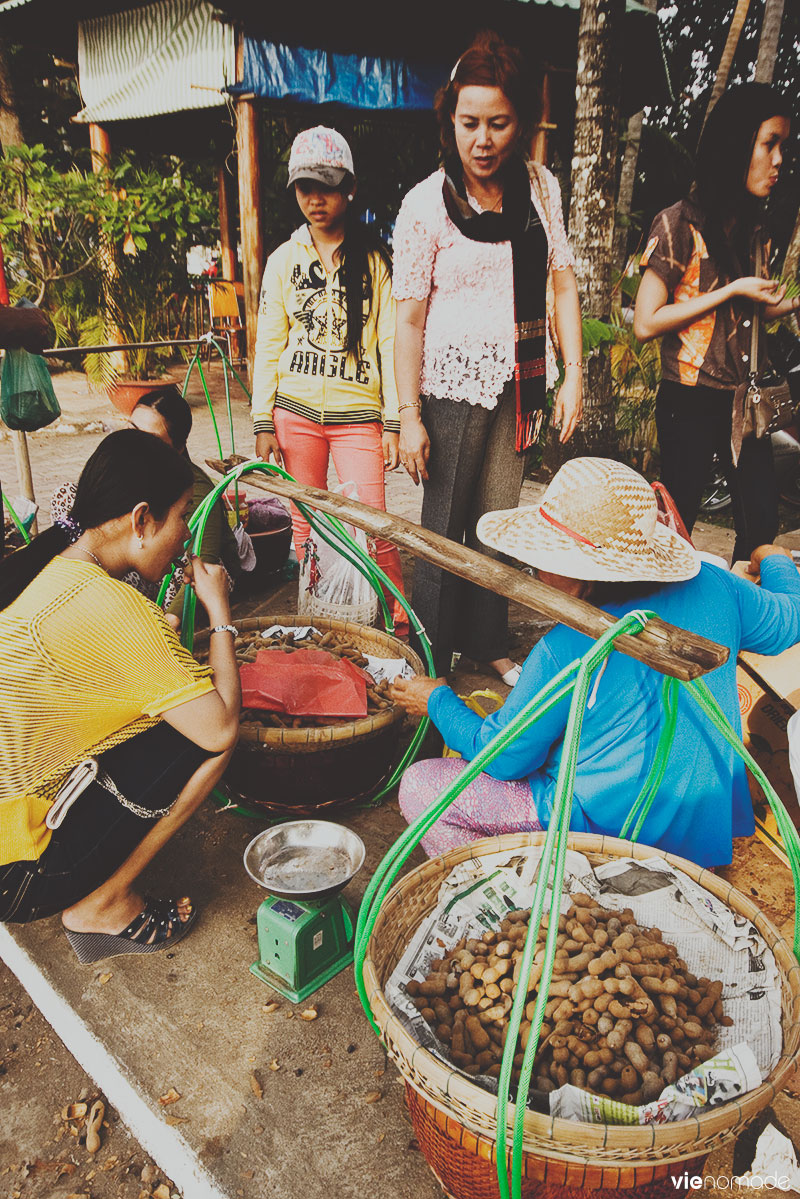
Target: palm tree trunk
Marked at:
768, 42
728, 54
10, 127
627, 180
591, 213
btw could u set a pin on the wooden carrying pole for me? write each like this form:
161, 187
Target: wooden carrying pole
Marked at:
666, 648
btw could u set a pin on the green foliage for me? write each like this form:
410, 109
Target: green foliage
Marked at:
100, 251
164, 214
635, 373
49, 221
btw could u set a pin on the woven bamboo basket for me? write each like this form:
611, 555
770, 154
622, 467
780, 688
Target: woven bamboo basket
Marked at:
320, 768
456, 1121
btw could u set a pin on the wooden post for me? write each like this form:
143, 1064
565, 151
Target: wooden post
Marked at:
665, 647
250, 222
24, 473
18, 438
227, 240
100, 146
539, 144
227, 227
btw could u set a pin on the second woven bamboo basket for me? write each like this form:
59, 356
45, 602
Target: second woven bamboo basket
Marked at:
456, 1121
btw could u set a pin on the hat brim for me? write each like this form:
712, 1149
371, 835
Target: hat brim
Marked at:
524, 534
329, 176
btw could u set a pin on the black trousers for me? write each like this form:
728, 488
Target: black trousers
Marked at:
473, 468
693, 424
98, 833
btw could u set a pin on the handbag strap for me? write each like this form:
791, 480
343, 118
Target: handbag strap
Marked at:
759, 255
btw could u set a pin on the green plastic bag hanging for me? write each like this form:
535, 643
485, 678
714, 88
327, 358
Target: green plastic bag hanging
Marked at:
27, 399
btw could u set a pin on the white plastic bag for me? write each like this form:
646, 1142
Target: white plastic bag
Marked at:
793, 733
330, 586
244, 544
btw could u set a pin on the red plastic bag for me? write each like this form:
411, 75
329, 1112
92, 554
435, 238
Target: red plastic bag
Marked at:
307, 682
668, 513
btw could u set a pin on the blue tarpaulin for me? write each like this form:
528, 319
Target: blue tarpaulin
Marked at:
279, 72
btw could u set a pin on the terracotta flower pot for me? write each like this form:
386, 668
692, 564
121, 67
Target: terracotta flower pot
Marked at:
125, 396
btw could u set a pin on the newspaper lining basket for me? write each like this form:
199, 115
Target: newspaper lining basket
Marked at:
555, 1149
318, 768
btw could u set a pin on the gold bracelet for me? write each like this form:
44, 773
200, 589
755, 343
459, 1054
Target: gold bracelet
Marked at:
416, 405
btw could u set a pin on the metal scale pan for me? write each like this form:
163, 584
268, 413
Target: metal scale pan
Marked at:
304, 859
305, 930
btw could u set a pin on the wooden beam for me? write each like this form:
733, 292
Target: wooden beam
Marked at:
667, 649
250, 222
227, 224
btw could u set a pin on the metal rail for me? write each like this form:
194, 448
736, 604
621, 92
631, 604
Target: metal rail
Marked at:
63, 351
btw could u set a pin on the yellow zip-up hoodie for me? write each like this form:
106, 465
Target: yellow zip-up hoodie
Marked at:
300, 359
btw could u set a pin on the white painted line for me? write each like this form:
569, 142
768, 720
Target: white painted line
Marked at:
168, 1147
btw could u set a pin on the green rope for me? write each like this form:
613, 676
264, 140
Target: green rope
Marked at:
196, 361
632, 624
23, 532
642, 806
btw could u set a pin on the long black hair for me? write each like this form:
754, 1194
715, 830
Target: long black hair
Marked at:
353, 256
723, 160
127, 468
173, 409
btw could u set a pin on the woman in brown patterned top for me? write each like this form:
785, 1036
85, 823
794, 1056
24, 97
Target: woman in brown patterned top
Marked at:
697, 293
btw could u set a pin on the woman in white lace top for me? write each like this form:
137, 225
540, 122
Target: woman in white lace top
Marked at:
484, 285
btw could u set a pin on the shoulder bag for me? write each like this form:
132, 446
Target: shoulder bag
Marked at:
763, 403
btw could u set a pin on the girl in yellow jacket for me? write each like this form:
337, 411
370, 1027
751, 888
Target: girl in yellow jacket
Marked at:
323, 381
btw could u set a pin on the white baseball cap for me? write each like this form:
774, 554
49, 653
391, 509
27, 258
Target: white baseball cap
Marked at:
321, 154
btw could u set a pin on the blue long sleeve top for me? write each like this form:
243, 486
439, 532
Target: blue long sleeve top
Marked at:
704, 800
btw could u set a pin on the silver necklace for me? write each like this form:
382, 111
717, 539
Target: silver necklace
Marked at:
84, 550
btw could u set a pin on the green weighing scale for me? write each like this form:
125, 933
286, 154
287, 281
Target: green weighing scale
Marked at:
305, 929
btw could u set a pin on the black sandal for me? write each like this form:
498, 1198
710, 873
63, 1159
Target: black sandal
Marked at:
157, 926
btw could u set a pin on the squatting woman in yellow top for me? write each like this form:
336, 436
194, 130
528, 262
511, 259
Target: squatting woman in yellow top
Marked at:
698, 293
92, 670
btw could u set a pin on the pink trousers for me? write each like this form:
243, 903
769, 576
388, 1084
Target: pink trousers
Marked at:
486, 808
357, 455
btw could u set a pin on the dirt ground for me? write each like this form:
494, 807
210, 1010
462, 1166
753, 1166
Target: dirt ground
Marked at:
42, 1154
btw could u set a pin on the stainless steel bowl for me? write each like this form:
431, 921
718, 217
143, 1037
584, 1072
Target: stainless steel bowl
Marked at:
304, 859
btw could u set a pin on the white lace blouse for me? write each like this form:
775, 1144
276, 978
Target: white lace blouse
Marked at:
468, 347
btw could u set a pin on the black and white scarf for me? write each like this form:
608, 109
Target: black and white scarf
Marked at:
518, 223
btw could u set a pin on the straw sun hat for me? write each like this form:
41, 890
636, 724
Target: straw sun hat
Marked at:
597, 520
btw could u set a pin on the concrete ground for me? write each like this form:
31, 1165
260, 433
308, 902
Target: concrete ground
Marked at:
259, 1102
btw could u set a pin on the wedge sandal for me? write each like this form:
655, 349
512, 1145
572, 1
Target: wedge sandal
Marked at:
157, 926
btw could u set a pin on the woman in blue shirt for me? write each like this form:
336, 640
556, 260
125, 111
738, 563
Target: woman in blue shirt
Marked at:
596, 536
